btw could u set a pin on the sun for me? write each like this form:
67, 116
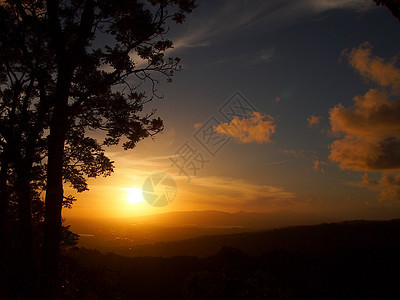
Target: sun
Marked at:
134, 196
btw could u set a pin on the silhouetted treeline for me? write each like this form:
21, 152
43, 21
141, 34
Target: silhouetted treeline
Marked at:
231, 274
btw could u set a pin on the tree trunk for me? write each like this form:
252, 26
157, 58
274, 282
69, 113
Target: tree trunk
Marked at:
54, 190
66, 61
53, 205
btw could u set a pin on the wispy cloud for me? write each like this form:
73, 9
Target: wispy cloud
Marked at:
248, 59
324, 5
272, 163
215, 21
139, 165
295, 153
229, 192
221, 19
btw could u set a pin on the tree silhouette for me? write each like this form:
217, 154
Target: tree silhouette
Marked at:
67, 68
392, 5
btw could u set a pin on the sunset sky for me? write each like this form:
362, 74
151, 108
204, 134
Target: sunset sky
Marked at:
323, 133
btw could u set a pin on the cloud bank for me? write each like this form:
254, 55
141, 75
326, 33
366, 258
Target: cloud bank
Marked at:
369, 131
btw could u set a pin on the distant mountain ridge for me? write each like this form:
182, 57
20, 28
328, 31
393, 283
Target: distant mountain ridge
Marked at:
254, 220
315, 239
203, 233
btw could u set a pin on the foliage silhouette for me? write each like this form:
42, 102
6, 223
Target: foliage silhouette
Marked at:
392, 5
57, 86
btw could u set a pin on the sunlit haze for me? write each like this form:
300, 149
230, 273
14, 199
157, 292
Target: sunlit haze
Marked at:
313, 73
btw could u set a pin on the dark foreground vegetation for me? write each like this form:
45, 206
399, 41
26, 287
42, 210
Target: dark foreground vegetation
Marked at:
349, 260
69, 68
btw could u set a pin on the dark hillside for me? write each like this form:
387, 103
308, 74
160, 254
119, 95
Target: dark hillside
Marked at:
349, 260
303, 239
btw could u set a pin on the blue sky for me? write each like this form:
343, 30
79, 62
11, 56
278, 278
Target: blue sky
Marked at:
286, 58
